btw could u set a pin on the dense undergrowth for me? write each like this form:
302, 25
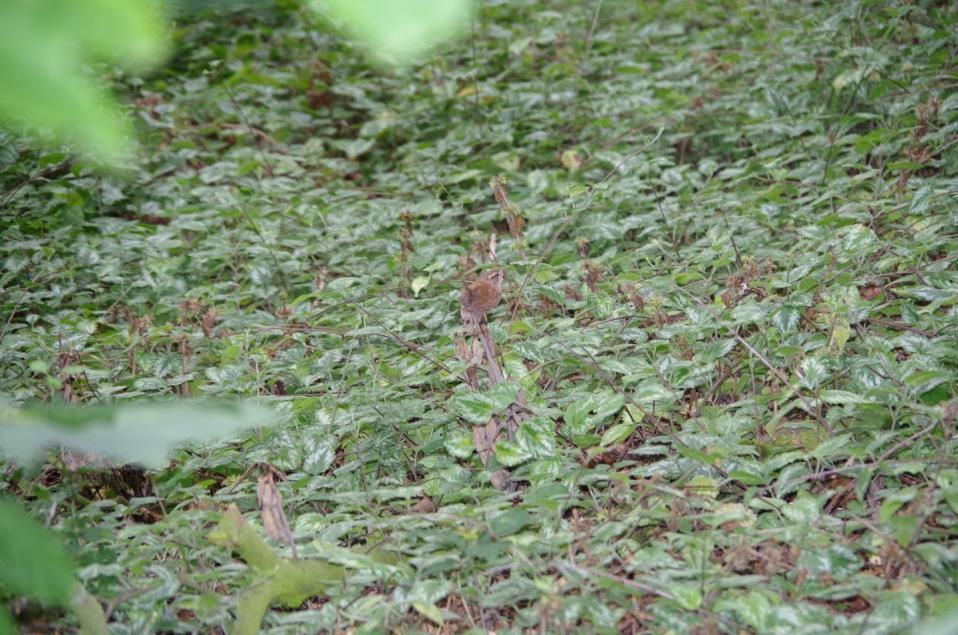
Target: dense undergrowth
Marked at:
731, 307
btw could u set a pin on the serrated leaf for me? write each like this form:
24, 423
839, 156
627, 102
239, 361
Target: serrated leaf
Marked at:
583, 415
702, 486
831, 448
811, 373
856, 238
786, 318
511, 454
841, 331
477, 407
459, 444
536, 438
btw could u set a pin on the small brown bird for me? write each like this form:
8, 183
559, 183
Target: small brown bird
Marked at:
483, 293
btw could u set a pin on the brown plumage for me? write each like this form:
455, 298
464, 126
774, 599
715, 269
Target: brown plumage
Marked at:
483, 293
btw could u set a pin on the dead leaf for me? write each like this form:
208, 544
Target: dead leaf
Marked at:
270, 503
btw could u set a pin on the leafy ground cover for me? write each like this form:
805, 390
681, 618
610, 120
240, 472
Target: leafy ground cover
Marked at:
731, 305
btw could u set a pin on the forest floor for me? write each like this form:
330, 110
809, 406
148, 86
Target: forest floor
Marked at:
730, 237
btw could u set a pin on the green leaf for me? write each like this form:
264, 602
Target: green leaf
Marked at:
42, 82
943, 623
511, 454
354, 148
687, 596
715, 351
856, 238
617, 434
842, 397
431, 611
398, 31
838, 561
786, 318
510, 522
583, 415
924, 380
319, 451
903, 527
895, 610
812, 373
804, 510
831, 447
418, 284
651, 391
841, 331
424, 595
536, 437
477, 406
703, 486
459, 444
34, 562
748, 312
755, 609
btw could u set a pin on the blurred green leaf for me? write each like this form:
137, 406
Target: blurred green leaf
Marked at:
688, 596
398, 31
139, 433
43, 85
510, 522
941, 625
34, 562
837, 561
617, 433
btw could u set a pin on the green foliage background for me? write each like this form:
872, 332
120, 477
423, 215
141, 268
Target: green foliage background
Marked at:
740, 350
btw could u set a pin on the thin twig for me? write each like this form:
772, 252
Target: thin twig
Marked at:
52, 172
410, 346
591, 34
900, 326
781, 376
